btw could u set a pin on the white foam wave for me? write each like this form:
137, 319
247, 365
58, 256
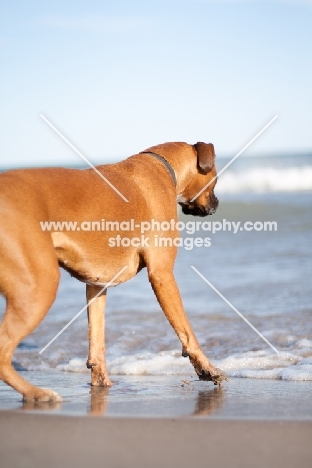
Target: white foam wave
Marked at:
74, 365
164, 363
304, 343
267, 179
265, 365
252, 364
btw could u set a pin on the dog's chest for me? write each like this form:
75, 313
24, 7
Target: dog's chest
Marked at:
95, 264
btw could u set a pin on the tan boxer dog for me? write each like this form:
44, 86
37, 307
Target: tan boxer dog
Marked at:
152, 182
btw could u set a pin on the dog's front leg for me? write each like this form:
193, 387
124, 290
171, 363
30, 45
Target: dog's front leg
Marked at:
96, 320
168, 295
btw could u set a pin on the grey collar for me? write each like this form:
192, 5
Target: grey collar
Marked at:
165, 163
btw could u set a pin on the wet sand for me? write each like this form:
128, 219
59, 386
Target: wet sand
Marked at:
148, 421
168, 397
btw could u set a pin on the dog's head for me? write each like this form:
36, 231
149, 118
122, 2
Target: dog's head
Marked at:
206, 203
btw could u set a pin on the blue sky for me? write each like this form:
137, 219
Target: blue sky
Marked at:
117, 77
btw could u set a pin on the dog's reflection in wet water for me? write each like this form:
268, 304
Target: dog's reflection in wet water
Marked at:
207, 402
41, 405
98, 403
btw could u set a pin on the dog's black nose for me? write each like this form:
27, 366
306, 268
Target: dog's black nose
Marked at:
211, 209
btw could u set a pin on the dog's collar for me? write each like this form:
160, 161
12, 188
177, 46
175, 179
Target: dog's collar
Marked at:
165, 163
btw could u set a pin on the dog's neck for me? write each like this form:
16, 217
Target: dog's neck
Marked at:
166, 164
181, 157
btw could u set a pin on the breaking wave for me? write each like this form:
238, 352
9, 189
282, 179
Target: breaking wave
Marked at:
267, 179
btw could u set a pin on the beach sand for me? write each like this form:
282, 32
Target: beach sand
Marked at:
30, 440
150, 421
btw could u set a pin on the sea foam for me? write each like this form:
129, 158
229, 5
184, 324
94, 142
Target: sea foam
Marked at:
268, 179
262, 364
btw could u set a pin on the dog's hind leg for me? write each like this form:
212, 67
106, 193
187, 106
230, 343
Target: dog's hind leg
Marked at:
29, 283
96, 319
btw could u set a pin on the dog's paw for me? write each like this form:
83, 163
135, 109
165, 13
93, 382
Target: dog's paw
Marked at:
100, 378
214, 375
101, 382
43, 395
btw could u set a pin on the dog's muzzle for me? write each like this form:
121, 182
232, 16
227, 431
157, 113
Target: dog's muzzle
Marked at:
197, 210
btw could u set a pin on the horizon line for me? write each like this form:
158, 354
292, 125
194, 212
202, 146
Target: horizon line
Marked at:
266, 154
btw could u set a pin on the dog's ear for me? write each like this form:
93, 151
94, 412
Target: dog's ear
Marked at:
205, 156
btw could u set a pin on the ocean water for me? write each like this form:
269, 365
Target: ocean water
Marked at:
265, 275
